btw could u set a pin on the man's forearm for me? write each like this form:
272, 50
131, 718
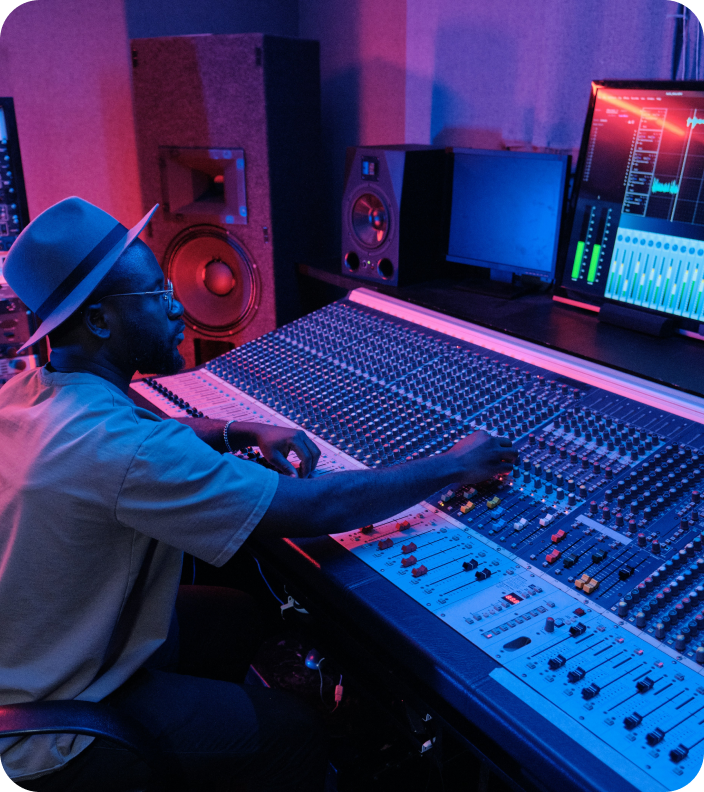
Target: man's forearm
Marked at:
344, 501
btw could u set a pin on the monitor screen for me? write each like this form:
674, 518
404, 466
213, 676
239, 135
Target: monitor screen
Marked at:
638, 231
506, 210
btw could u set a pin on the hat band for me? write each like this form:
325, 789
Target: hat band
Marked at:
79, 273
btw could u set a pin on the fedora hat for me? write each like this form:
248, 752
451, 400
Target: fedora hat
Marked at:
62, 255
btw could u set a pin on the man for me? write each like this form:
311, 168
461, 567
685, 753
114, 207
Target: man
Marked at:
99, 499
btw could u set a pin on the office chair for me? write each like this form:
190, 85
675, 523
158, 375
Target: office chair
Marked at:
86, 717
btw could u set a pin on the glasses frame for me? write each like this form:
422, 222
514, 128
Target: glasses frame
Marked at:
167, 294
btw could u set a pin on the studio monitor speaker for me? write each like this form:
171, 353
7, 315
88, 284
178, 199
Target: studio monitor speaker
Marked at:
394, 213
228, 138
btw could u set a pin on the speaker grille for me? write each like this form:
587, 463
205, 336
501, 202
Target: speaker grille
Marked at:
214, 279
370, 220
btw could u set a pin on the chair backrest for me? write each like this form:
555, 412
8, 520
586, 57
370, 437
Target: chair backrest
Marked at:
86, 717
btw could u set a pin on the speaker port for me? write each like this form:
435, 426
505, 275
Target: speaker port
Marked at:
352, 261
386, 268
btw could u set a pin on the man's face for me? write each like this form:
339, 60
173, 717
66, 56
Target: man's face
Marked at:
148, 329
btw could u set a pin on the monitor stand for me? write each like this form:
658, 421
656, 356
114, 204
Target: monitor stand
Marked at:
499, 285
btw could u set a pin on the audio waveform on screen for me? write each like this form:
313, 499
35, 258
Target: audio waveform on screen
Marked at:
670, 187
693, 121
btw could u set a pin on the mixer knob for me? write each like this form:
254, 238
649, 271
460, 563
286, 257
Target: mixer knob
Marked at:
647, 513
606, 513
548, 488
596, 468
687, 604
571, 499
548, 474
599, 440
563, 453
541, 442
619, 519
632, 526
697, 542
622, 609
560, 493
531, 439
695, 496
570, 485
551, 448
609, 495
699, 655
593, 507
585, 462
641, 540
660, 631
635, 507
621, 501
559, 479
573, 457
549, 624
680, 643
640, 619
526, 464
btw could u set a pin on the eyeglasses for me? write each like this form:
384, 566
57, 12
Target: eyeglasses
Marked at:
167, 294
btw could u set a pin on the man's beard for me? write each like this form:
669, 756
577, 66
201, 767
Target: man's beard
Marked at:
151, 354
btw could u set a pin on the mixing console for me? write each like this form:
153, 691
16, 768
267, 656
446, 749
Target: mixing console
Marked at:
581, 573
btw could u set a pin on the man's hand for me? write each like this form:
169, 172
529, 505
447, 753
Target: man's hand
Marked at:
277, 442
481, 456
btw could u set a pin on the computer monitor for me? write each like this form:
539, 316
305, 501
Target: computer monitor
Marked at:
507, 210
637, 238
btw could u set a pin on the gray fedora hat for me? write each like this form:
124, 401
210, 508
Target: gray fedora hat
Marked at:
62, 255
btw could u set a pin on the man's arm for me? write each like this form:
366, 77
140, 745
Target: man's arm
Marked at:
344, 501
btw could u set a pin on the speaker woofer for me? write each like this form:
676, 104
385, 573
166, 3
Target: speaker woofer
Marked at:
214, 279
370, 220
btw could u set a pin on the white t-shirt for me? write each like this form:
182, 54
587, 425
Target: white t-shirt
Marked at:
88, 482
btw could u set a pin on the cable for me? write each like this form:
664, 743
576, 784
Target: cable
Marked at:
256, 561
320, 671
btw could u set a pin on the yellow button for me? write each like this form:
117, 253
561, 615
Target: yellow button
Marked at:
493, 503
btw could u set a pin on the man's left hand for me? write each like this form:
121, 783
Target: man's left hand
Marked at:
277, 442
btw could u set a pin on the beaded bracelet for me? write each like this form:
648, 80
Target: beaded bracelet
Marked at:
224, 436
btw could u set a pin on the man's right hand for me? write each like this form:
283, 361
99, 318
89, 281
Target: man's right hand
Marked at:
480, 456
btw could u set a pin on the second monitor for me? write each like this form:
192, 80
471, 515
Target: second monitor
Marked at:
506, 214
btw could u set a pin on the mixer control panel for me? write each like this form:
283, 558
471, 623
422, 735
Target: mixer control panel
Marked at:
581, 573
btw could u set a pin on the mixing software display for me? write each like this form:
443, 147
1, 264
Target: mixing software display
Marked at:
638, 231
581, 574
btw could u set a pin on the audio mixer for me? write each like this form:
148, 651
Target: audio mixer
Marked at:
581, 573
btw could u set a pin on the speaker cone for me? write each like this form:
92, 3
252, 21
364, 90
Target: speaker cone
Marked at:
214, 279
370, 220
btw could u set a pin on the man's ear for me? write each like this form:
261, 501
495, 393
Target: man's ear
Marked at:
95, 320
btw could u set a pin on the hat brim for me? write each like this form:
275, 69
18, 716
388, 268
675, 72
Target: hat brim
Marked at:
88, 284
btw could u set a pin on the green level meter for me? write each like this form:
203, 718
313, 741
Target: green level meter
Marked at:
577, 260
591, 275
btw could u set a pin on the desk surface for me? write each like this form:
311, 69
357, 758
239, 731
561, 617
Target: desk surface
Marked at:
673, 361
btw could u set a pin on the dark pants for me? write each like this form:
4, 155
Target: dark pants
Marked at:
214, 732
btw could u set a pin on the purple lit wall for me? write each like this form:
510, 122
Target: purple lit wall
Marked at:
451, 72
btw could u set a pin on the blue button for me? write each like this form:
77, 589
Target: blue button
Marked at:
667, 246
229, 219
691, 251
243, 211
658, 244
650, 244
620, 237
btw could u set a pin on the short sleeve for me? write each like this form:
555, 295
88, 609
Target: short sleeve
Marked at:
180, 491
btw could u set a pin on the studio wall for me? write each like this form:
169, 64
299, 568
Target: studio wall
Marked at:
67, 65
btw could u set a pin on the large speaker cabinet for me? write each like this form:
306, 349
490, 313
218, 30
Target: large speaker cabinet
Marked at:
228, 138
394, 213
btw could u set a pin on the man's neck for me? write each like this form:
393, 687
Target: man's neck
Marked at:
66, 360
